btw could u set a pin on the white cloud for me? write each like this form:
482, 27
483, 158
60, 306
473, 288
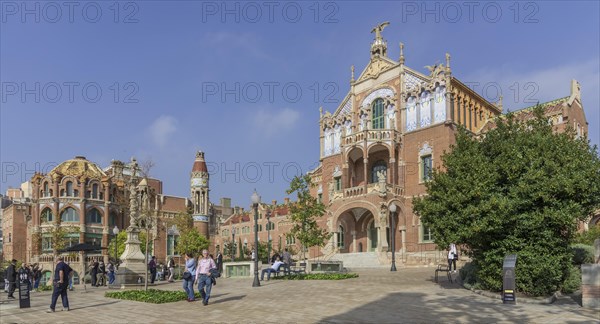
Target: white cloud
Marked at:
270, 123
161, 129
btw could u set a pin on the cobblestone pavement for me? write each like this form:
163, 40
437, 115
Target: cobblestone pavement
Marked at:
377, 296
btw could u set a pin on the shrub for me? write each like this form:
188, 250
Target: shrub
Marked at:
318, 276
582, 254
573, 280
468, 273
45, 287
154, 296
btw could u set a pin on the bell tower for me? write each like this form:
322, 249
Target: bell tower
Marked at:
199, 194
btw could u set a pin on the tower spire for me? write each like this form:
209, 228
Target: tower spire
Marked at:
401, 53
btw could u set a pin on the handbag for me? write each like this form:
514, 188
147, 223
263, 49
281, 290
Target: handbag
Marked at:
187, 275
215, 273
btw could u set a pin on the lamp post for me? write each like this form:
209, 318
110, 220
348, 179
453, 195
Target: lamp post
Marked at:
393, 235
233, 244
268, 216
116, 232
255, 201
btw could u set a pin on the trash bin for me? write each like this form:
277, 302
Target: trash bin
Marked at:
508, 279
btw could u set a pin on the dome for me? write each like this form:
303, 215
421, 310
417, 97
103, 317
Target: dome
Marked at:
199, 163
77, 167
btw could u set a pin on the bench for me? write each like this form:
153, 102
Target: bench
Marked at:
443, 268
297, 268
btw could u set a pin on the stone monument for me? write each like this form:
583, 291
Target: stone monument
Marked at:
133, 269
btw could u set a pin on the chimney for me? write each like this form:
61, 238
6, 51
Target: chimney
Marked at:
286, 200
274, 202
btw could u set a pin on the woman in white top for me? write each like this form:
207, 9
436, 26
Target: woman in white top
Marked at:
452, 256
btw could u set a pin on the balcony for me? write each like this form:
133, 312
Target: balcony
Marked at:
372, 135
372, 189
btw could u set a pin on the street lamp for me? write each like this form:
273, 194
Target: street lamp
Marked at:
116, 232
268, 216
393, 236
255, 201
232, 243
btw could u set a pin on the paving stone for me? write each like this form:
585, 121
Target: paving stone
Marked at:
377, 296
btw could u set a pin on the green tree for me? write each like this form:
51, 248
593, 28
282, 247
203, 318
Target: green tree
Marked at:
58, 235
304, 214
229, 248
191, 241
121, 238
519, 189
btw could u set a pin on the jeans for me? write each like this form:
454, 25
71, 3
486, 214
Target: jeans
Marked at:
204, 287
188, 286
36, 284
59, 289
111, 277
268, 271
450, 262
171, 274
152, 275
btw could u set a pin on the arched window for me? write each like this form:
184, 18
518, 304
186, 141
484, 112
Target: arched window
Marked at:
93, 216
69, 188
47, 215
69, 214
95, 191
377, 167
340, 238
46, 192
378, 117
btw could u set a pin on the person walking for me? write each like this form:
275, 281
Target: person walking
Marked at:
111, 273
152, 268
171, 266
204, 277
11, 275
188, 276
94, 272
37, 276
287, 261
100, 277
452, 256
219, 262
62, 274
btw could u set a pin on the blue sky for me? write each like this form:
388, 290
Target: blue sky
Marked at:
243, 81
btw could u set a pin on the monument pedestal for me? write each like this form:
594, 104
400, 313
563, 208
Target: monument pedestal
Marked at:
132, 272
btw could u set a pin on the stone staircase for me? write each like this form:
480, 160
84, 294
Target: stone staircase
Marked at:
359, 260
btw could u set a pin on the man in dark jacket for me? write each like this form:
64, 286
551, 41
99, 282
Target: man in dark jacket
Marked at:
152, 268
11, 275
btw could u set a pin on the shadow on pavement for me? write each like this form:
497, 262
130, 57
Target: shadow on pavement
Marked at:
224, 300
413, 307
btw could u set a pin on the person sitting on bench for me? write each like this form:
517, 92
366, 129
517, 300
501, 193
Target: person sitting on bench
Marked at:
273, 268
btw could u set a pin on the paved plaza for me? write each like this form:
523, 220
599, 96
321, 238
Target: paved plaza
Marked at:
378, 296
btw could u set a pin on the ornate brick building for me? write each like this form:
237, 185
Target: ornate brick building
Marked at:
379, 146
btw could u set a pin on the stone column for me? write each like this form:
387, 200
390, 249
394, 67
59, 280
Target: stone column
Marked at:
353, 233
365, 171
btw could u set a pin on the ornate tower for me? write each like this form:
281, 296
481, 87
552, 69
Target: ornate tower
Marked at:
199, 193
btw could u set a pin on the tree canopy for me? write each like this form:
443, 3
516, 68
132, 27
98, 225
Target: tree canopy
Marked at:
304, 214
521, 188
